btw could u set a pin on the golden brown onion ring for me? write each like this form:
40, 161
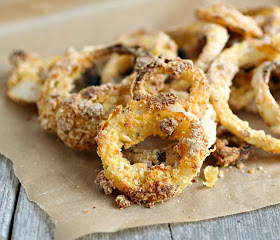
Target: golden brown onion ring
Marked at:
168, 155
268, 18
156, 42
27, 76
220, 76
79, 116
230, 18
189, 37
131, 125
267, 105
197, 100
61, 79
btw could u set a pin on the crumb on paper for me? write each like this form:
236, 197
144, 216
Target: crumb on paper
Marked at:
240, 165
193, 210
78, 186
251, 171
260, 168
93, 207
122, 201
210, 175
150, 205
264, 171
86, 211
102, 182
221, 174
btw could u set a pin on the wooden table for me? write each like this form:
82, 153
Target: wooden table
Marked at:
22, 219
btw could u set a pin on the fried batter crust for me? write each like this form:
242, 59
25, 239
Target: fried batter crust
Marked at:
27, 76
220, 75
155, 42
230, 18
197, 100
267, 105
189, 38
60, 82
102, 182
157, 183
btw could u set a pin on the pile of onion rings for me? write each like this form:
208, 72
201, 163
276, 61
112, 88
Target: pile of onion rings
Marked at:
183, 86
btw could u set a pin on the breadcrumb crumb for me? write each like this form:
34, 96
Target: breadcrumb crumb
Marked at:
240, 165
251, 171
211, 176
86, 211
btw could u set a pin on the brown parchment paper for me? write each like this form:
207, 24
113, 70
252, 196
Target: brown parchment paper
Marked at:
61, 181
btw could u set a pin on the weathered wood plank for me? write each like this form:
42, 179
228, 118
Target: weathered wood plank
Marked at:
31, 222
260, 224
9, 187
149, 232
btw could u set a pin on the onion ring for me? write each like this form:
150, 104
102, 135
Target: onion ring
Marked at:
79, 116
156, 42
131, 125
59, 84
220, 76
267, 105
168, 155
197, 100
27, 76
188, 37
230, 18
268, 18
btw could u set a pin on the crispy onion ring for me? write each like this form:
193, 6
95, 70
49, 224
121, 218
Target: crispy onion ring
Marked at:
131, 125
230, 18
197, 100
267, 105
268, 18
27, 76
220, 76
189, 37
79, 116
156, 42
168, 155
60, 82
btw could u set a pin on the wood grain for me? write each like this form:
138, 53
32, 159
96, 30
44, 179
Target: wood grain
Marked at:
31, 222
260, 224
9, 187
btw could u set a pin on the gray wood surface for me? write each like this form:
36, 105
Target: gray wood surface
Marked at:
9, 187
22, 219
31, 222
